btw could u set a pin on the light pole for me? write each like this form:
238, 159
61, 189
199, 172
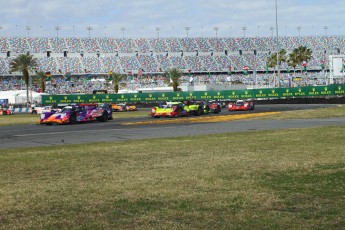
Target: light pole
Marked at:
158, 29
123, 31
187, 28
277, 37
272, 29
299, 30
216, 28
41, 29
258, 31
244, 28
325, 28
0, 27
173, 30
57, 28
28, 28
89, 28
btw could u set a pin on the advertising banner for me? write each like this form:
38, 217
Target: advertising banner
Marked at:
269, 93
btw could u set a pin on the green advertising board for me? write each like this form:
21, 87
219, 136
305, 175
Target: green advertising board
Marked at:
309, 91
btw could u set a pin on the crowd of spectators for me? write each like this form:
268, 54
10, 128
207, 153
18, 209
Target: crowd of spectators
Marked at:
152, 56
197, 54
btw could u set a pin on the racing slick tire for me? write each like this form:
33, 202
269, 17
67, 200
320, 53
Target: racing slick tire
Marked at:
207, 110
199, 111
104, 117
73, 119
179, 113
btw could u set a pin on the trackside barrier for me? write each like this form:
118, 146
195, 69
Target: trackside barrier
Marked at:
309, 91
20, 110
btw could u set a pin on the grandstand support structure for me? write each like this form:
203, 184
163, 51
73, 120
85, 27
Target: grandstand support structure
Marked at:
336, 67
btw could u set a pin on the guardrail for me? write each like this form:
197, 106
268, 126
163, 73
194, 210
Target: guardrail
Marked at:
267, 93
20, 110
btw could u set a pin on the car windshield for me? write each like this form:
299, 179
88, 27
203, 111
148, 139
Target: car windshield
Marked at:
91, 107
239, 102
80, 109
66, 109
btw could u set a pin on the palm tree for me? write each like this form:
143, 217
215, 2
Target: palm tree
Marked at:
117, 78
42, 80
293, 61
303, 54
25, 63
272, 60
174, 75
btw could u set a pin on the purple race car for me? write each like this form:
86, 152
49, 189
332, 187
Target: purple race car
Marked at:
77, 114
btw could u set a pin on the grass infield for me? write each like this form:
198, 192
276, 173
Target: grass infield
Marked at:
286, 179
338, 111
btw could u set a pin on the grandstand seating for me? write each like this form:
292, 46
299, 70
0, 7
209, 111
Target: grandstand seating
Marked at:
99, 55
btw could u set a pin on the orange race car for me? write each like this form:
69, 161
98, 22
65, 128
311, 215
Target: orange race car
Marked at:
123, 107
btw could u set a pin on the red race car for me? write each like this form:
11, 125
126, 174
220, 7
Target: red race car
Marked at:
5, 111
215, 107
241, 105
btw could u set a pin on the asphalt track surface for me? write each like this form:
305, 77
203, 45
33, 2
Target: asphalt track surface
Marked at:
147, 127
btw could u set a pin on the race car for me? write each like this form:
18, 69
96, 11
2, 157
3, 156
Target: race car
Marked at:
40, 110
215, 107
123, 107
5, 111
197, 107
101, 112
77, 114
241, 105
131, 107
171, 109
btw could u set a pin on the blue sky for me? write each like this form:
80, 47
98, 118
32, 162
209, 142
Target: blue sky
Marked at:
169, 18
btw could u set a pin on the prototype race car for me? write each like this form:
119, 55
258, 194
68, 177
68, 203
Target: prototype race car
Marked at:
100, 113
77, 114
197, 107
241, 105
5, 111
215, 107
40, 110
123, 107
131, 107
171, 109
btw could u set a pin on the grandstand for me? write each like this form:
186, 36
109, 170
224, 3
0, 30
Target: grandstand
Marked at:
153, 55
204, 61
